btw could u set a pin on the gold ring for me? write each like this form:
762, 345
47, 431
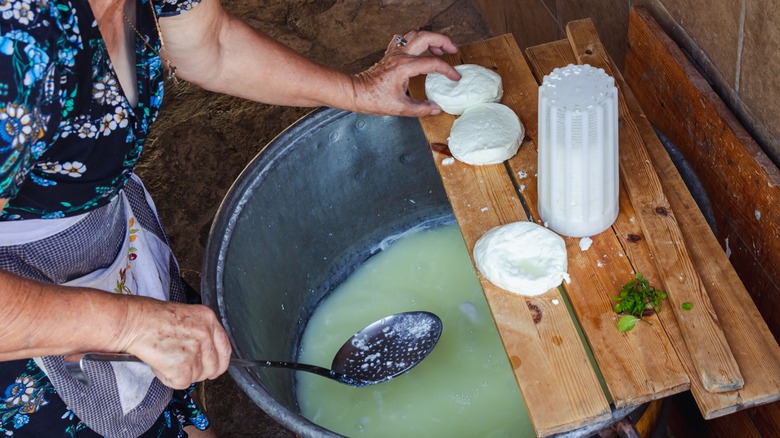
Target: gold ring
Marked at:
400, 41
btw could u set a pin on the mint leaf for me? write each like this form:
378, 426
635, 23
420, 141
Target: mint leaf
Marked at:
627, 323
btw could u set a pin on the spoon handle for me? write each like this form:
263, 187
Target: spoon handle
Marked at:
234, 361
324, 372
110, 357
237, 362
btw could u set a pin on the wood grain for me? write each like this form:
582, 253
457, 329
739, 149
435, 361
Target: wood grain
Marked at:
547, 358
740, 180
552, 368
710, 352
639, 365
751, 341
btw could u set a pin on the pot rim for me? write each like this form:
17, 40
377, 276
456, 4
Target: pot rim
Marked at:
212, 270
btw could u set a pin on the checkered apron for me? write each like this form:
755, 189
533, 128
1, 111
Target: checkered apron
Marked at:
119, 248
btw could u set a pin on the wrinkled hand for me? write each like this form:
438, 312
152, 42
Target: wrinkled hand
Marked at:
382, 88
182, 343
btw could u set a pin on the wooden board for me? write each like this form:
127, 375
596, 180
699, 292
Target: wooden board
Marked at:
740, 180
538, 336
654, 71
642, 364
710, 353
553, 371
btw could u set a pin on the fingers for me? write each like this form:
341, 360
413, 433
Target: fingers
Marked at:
223, 351
397, 42
420, 42
408, 36
415, 43
421, 108
182, 343
430, 64
382, 89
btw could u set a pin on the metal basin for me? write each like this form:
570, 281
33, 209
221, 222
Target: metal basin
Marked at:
307, 211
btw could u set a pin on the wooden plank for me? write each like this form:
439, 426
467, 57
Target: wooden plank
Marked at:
559, 386
756, 351
647, 424
530, 22
637, 366
751, 344
740, 180
712, 358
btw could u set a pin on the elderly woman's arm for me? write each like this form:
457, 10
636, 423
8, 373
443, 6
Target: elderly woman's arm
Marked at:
182, 343
221, 53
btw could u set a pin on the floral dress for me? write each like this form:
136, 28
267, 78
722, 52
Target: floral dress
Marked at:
31, 408
69, 140
69, 137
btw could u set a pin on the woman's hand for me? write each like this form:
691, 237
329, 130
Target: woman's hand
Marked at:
382, 89
183, 343
220, 53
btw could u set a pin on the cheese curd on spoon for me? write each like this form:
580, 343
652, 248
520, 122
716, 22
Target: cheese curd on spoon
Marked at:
488, 133
522, 258
477, 85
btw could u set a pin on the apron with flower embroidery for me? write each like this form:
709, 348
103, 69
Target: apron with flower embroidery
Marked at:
124, 399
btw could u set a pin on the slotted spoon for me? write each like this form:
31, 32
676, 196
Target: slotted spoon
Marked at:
381, 351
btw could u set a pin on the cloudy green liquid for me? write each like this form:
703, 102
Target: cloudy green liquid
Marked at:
465, 388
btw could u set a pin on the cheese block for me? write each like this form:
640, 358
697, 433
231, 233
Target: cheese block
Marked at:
488, 133
522, 257
476, 85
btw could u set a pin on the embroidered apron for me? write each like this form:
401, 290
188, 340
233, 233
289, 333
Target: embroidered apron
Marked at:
118, 248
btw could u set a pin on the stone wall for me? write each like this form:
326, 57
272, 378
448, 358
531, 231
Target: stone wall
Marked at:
733, 42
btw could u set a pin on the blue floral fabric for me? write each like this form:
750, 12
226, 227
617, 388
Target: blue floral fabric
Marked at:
69, 139
30, 407
68, 136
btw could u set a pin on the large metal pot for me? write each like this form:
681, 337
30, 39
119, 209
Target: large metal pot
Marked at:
309, 209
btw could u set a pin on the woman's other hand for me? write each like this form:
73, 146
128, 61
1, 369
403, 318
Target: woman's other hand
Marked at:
183, 343
220, 53
382, 89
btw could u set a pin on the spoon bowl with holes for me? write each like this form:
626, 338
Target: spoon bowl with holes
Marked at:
379, 352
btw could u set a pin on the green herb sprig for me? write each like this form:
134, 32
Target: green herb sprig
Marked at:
637, 298
627, 322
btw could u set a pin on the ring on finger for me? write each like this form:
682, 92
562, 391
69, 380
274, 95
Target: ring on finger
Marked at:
400, 41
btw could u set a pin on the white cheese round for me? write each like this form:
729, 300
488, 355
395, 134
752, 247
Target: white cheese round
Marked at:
476, 85
488, 133
522, 258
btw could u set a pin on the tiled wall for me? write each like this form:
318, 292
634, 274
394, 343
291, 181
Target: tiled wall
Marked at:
736, 44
